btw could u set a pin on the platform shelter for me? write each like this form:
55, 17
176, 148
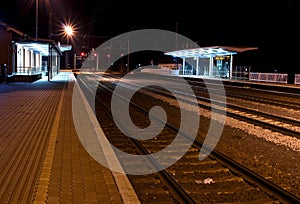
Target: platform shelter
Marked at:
41, 57
214, 61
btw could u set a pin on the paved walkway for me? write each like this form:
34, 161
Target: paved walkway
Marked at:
41, 157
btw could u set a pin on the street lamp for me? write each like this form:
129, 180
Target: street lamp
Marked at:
68, 32
36, 18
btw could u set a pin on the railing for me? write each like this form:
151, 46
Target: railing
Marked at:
268, 77
161, 71
28, 70
297, 78
241, 72
240, 75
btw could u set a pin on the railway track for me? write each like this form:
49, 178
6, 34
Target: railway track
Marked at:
283, 125
189, 180
246, 93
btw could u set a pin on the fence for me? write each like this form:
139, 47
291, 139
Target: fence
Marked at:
161, 71
241, 72
297, 78
269, 77
27, 70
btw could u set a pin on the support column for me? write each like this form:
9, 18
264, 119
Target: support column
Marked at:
211, 65
49, 68
230, 68
197, 66
183, 66
27, 61
31, 61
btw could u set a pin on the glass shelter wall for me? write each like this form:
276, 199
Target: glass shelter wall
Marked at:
214, 61
217, 66
31, 58
54, 62
221, 66
203, 66
27, 61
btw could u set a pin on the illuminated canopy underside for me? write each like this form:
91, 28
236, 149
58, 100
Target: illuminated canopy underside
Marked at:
206, 52
43, 48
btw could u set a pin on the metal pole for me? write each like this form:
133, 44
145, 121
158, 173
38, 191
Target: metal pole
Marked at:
67, 55
183, 66
74, 66
197, 66
48, 64
230, 68
36, 18
50, 26
176, 36
97, 62
128, 55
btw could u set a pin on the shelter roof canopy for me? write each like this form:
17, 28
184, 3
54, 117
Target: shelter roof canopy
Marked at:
43, 47
204, 52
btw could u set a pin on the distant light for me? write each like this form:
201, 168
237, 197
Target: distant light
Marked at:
82, 54
69, 30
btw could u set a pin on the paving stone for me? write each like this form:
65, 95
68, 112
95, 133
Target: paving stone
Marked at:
66, 172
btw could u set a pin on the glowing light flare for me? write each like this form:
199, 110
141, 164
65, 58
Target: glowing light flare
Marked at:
69, 30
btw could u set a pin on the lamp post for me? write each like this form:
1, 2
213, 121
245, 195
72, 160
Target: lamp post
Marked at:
36, 18
69, 32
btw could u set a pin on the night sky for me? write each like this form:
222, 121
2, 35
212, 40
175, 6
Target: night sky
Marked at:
272, 26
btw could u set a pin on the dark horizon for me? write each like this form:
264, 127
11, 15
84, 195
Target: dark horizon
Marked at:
272, 27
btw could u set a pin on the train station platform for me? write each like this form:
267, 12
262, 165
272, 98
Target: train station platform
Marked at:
41, 157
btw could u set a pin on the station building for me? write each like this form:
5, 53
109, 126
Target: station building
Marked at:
25, 59
36, 58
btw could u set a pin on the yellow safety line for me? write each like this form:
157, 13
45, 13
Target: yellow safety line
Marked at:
44, 179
